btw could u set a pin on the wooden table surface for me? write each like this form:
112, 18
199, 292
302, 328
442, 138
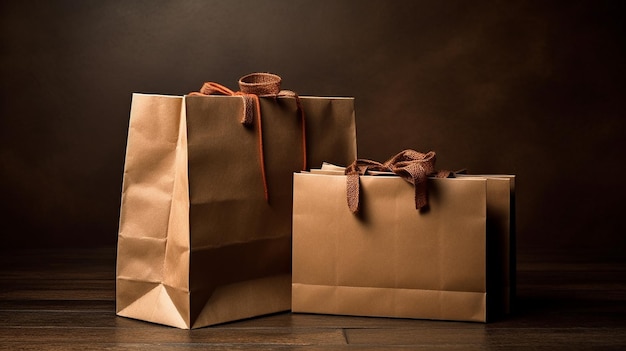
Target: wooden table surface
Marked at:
65, 300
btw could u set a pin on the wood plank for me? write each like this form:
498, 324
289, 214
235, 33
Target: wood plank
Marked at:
501, 338
162, 335
172, 347
52, 289
96, 306
228, 347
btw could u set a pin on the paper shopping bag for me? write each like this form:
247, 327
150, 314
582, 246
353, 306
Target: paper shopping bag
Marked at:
205, 221
449, 260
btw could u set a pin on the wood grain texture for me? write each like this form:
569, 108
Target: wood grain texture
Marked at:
65, 300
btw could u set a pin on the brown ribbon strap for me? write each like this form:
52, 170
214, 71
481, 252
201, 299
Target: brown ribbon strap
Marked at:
252, 86
267, 84
415, 167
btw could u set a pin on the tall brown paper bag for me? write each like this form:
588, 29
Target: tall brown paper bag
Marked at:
198, 242
451, 261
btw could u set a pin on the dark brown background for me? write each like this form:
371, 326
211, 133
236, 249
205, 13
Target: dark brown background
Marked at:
531, 88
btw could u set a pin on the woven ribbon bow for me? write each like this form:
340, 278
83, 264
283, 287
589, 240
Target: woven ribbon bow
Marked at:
253, 86
414, 167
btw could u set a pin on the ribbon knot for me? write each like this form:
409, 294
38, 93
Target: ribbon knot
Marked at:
414, 167
253, 86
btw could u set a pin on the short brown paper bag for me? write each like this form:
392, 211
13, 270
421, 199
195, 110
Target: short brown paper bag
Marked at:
199, 243
450, 261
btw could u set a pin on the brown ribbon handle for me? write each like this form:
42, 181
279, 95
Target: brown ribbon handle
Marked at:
414, 167
252, 86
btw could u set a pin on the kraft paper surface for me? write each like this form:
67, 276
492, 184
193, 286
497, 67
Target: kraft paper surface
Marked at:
394, 261
198, 243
